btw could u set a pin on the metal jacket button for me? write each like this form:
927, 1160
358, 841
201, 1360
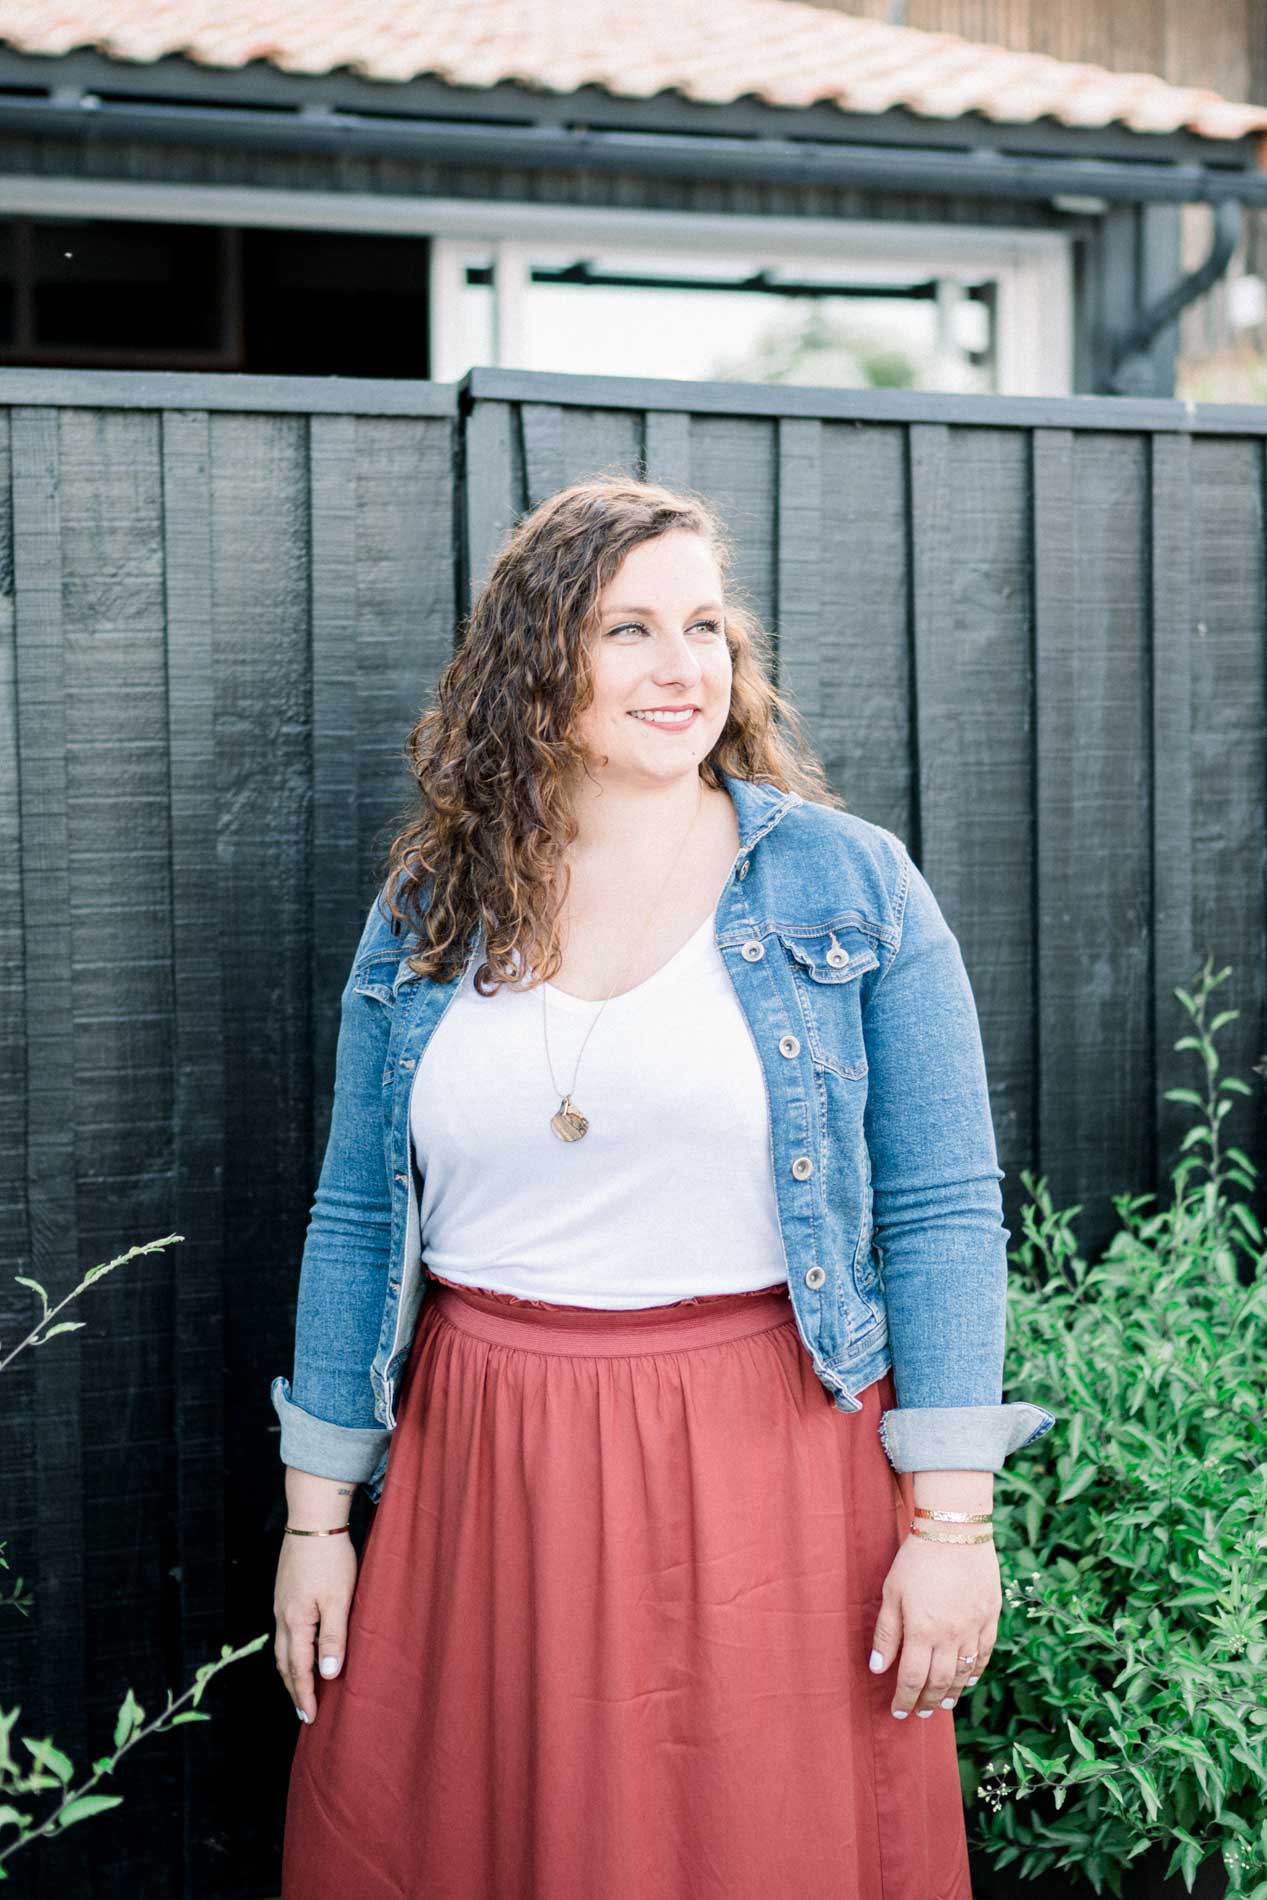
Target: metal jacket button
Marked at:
754, 949
802, 1167
837, 957
789, 1046
815, 1276
743, 869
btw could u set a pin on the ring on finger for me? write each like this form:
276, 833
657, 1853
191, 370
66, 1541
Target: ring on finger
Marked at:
965, 1662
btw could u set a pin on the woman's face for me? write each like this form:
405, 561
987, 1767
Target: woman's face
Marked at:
660, 649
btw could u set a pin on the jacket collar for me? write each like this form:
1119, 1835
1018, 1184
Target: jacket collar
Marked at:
758, 806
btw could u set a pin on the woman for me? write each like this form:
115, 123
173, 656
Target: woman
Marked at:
671, 1068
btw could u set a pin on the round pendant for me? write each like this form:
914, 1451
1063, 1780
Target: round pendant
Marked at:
568, 1123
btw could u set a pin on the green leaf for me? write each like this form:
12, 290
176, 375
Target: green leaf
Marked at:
62, 1326
1147, 1787
51, 1758
189, 1715
23, 1281
130, 1717
1086, 1477
85, 1804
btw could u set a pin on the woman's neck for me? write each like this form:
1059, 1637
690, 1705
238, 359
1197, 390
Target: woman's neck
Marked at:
624, 822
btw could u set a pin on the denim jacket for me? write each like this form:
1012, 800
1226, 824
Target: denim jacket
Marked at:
881, 1145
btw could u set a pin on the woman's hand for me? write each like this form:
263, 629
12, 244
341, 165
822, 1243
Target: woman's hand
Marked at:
940, 1601
313, 1592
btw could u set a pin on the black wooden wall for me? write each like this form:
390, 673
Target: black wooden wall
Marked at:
1027, 636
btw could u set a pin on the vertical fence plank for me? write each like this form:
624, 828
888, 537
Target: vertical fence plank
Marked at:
864, 694
492, 491
798, 581
21, 1532
118, 799
734, 461
933, 736
984, 683
54, 1562
542, 429
1056, 936
666, 447
1094, 723
262, 792
1170, 604
1227, 747
338, 877
197, 1026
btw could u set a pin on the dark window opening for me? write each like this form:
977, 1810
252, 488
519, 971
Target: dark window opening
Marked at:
105, 293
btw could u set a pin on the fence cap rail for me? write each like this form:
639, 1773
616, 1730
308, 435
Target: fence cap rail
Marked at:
224, 390
1141, 414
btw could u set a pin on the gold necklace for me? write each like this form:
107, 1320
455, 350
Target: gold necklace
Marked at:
567, 1121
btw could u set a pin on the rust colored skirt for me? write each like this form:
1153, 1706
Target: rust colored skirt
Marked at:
610, 1629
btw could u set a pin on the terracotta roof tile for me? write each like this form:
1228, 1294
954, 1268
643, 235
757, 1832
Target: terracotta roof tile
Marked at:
783, 52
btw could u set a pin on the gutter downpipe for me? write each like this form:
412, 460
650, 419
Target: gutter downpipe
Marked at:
1130, 372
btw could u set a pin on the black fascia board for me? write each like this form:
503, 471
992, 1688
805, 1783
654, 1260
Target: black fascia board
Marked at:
174, 100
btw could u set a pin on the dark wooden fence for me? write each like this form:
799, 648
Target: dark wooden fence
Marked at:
1028, 636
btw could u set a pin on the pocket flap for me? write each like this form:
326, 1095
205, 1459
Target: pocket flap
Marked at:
831, 956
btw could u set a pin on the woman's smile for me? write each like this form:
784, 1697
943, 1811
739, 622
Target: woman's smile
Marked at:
667, 721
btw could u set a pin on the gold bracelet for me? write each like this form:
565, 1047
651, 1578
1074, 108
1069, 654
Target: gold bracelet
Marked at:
292, 1532
956, 1517
951, 1537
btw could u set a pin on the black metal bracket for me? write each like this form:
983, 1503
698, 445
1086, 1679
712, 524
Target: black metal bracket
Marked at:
1129, 370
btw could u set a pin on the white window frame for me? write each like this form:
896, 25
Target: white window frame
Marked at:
1033, 269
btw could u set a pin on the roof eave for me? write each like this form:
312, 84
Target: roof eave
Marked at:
176, 100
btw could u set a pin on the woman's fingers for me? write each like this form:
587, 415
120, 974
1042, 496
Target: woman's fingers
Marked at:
300, 1637
332, 1639
985, 1649
912, 1674
940, 1689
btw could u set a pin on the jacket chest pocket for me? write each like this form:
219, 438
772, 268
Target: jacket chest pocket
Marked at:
826, 966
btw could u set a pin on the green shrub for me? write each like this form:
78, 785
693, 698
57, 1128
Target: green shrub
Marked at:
1128, 1708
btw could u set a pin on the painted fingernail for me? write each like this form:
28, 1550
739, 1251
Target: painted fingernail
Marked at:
973, 1681
877, 1660
949, 1702
299, 1712
900, 1715
329, 1665
922, 1713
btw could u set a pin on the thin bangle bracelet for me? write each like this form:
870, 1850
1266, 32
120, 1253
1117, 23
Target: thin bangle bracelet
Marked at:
955, 1517
950, 1537
292, 1532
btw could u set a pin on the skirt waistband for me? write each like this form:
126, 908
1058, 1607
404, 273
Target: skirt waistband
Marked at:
607, 1332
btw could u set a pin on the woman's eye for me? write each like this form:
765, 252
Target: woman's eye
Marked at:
635, 626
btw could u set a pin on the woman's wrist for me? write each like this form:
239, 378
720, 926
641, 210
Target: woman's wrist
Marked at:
954, 1490
315, 1503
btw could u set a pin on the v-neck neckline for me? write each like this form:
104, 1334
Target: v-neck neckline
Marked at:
581, 1004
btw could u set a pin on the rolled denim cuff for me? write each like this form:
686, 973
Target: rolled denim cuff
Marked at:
350, 1452
960, 1437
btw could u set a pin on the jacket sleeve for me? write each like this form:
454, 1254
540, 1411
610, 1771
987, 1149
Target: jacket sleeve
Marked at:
328, 1424
937, 1207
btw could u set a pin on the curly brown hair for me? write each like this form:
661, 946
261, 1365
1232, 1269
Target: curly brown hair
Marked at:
493, 755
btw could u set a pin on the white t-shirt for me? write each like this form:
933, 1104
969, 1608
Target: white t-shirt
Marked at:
671, 1190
